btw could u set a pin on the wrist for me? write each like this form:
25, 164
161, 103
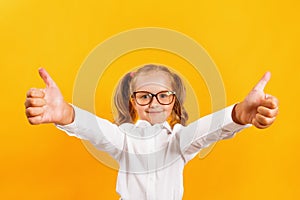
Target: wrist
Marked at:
67, 114
237, 114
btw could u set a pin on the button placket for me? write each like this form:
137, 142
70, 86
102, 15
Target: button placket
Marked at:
151, 191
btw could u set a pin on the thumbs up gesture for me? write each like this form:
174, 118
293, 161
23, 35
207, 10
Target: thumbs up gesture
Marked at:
47, 105
258, 108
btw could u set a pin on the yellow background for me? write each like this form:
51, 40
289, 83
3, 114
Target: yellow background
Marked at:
244, 38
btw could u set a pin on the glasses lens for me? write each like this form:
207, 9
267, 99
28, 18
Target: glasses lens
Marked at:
143, 98
165, 97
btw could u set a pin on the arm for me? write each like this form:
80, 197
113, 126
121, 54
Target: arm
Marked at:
103, 134
207, 130
257, 109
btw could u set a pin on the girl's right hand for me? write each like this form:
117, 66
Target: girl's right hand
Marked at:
47, 105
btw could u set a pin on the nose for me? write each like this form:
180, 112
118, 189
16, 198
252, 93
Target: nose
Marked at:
154, 102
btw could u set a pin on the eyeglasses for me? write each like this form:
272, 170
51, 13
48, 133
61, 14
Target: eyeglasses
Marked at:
144, 98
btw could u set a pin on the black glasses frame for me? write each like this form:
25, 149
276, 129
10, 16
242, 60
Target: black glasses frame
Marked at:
153, 95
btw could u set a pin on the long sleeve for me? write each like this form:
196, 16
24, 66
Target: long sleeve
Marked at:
207, 130
103, 134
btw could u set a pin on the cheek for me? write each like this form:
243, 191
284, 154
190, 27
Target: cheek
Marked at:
138, 109
169, 109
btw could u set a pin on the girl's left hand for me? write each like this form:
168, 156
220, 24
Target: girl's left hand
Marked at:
258, 108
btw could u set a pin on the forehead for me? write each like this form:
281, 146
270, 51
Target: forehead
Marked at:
153, 82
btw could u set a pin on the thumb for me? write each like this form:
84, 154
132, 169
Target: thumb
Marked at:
46, 78
263, 82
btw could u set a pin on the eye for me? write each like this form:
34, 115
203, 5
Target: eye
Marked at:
145, 96
163, 95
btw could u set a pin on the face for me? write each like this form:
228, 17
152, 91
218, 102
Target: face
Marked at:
153, 82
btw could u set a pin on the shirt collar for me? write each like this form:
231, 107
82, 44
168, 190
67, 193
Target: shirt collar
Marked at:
144, 123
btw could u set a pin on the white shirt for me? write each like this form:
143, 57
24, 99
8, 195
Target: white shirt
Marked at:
152, 157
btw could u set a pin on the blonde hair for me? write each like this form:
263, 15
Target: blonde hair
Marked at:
125, 111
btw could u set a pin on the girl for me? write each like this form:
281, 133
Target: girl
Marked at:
149, 138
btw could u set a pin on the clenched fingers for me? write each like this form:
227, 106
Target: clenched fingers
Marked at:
34, 111
34, 102
267, 112
35, 93
261, 121
258, 125
270, 102
35, 120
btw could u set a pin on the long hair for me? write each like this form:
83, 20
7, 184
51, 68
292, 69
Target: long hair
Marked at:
126, 112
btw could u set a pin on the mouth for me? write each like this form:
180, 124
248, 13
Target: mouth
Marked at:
156, 116
154, 111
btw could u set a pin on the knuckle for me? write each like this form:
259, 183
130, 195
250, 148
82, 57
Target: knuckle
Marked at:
25, 103
34, 120
32, 101
30, 111
260, 125
268, 113
34, 92
273, 104
26, 112
264, 121
31, 121
30, 92
274, 113
28, 102
261, 119
257, 125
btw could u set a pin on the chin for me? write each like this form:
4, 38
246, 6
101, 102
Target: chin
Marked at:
156, 118
157, 121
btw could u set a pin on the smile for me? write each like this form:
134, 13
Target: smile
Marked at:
154, 111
